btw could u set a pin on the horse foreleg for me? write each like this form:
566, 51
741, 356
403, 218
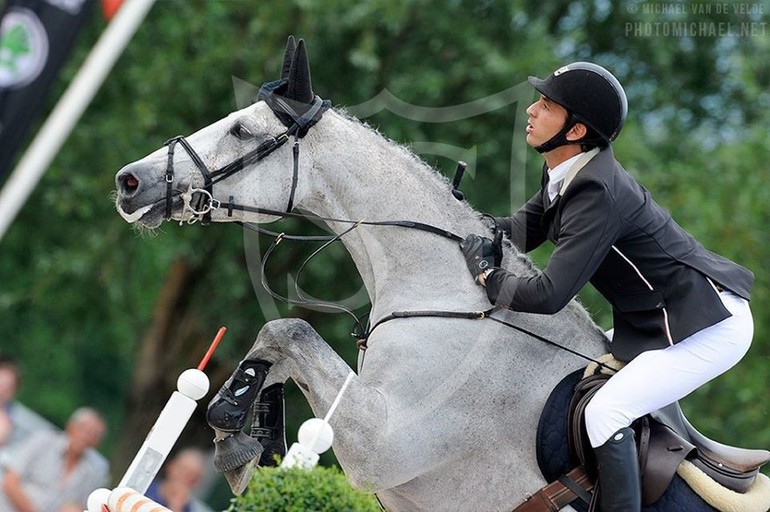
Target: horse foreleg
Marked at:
298, 352
227, 414
294, 350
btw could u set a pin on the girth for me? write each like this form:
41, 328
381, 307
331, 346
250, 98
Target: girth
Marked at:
560, 493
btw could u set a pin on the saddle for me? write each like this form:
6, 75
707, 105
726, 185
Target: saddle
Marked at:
665, 440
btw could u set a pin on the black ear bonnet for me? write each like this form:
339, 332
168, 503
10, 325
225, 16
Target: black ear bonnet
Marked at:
291, 98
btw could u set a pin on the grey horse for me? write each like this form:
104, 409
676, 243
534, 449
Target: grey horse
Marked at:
442, 412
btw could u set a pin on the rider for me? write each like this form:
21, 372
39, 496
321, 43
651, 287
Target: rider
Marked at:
681, 313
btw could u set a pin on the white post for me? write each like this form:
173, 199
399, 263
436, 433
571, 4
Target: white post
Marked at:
68, 110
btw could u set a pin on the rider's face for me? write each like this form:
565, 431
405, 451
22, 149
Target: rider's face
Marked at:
546, 119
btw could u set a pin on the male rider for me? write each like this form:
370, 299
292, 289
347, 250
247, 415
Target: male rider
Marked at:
681, 313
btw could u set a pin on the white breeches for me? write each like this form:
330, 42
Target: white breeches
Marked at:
657, 378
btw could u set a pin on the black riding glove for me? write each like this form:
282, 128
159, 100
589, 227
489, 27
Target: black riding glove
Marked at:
481, 254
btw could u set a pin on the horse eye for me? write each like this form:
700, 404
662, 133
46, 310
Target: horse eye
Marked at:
240, 131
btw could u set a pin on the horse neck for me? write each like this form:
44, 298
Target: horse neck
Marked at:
358, 174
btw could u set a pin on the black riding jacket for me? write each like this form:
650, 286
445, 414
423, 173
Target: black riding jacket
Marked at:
661, 282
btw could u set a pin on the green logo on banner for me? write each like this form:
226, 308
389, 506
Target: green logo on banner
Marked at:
23, 48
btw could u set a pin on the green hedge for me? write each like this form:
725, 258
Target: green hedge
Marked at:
324, 489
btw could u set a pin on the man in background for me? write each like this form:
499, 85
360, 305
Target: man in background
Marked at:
17, 422
182, 475
55, 471
9, 384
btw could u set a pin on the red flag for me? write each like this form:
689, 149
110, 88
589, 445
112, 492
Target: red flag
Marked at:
110, 7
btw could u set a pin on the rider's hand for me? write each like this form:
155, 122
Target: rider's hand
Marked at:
495, 224
480, 254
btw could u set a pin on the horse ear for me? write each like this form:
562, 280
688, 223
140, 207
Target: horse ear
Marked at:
287, 57
300, 86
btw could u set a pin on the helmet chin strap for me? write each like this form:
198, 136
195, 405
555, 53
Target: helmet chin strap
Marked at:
560, 139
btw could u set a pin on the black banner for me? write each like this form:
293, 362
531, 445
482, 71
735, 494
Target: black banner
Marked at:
36, 37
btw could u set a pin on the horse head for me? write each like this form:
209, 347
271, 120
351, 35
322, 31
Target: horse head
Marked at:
178, 181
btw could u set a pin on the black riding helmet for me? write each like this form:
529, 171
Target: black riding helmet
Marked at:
592, 96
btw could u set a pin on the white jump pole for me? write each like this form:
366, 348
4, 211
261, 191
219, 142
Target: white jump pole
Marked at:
68, 110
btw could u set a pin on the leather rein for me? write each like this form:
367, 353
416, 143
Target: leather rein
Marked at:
205, 203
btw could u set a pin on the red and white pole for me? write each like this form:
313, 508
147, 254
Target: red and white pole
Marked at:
192, 385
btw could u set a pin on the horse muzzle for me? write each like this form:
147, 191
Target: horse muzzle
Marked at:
140, 198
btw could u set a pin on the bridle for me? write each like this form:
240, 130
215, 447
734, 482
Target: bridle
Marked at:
205, 202
297, 127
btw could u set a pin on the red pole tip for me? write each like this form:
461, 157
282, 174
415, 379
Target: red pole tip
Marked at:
212, 348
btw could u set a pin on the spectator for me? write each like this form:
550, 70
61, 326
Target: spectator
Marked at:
17, 422
9, 384
53, 471
181, 477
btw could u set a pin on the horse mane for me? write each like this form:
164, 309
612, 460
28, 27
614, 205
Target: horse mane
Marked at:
429, 171
523, 264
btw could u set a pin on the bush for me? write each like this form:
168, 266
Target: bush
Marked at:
324, 489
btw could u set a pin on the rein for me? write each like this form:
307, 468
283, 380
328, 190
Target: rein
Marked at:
206, 203
473, 315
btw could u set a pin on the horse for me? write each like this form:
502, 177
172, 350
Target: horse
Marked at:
442, 410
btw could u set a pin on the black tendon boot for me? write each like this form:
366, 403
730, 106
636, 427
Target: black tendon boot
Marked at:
618, 465
228, 411
268, 424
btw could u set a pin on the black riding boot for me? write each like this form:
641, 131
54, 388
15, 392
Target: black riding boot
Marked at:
618, 464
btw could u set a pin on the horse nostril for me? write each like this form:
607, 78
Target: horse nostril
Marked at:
128, 183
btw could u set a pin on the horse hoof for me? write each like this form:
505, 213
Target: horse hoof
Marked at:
235, 451
238, 479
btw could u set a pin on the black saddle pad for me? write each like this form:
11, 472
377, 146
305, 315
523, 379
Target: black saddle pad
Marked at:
553, 455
